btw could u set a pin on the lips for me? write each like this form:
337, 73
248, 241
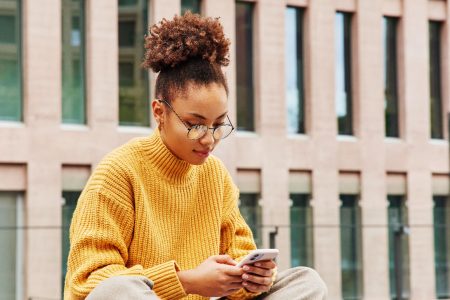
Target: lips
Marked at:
202, 153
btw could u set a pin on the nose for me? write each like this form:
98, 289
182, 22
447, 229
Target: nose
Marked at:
208, 138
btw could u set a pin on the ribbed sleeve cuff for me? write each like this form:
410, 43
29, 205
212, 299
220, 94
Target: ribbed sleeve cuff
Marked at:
166, 282
243, 294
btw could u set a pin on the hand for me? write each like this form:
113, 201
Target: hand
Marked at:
216, 276
258, 277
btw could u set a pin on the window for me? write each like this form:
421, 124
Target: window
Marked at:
301, 230
73, 179
11, 239
441, 214
301, 218
69, 204
436, 113
351, 260
390, 77
350, 234
127, 2
134, 103
252, 213
398, 217
244, 66
73, 62
10, 61
295, 96
193, 5
343, 73
249, 183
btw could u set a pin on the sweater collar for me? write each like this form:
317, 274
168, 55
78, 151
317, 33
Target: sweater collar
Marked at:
165, 162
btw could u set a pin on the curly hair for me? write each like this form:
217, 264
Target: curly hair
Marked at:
187, 49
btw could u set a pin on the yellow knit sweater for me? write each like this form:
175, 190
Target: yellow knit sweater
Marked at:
145, 212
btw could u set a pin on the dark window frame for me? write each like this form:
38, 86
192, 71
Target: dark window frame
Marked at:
345, 124
250, 208
195, 6
19, 115
441, 224
67, 109
397, 209
245, 84
391, 94
301, 230
352, 270
300, 71
436, 101
134, 101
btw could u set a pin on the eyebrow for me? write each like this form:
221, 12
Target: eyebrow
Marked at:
203, 118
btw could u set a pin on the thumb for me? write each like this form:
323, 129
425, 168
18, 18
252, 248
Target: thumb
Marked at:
224, 259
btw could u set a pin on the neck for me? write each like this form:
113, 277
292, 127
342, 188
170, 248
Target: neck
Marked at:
169, 166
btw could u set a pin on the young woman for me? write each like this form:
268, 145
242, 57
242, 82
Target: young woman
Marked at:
159, 218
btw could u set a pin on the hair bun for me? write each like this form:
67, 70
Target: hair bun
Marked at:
170, 43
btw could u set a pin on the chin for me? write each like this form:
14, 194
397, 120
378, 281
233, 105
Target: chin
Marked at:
198, 162
195, 160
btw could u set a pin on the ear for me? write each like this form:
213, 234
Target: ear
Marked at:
158, 111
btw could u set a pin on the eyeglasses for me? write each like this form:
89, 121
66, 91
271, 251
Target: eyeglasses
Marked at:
196, 132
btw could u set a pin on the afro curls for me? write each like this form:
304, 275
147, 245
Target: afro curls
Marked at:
170, 43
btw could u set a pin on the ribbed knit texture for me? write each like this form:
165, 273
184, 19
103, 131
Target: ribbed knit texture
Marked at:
145, 212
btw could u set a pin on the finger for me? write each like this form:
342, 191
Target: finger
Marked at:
232, 270
224, 259
257, 279
266, 264
258, 271
235, 286
256, 288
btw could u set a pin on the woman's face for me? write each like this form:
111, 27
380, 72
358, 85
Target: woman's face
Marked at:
198, 105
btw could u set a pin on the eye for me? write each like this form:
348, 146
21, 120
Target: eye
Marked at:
219, 124
190, 124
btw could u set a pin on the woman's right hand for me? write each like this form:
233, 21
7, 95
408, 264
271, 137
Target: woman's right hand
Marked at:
216, 276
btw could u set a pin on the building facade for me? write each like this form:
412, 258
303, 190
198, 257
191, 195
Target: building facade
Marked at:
341, 152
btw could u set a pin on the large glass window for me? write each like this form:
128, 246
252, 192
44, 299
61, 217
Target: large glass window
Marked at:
70, 199
295, 95
441, 213
10, 61
351, 260
397, 219
436, 113
134, 102
301, 230
343, 73
73, 62
10, 246
391, 108
252, 213
244, 66
193, 5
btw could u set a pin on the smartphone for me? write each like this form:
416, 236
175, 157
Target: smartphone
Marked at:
258, 255
254, 256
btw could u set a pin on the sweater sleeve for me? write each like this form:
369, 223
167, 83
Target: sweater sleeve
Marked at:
236, 236
100, 234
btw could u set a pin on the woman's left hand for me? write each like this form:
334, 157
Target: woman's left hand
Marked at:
258, 277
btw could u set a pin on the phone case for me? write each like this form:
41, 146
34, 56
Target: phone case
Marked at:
257, 255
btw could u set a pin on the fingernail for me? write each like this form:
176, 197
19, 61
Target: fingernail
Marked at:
245, 283
245, 276
246, 268
258, 264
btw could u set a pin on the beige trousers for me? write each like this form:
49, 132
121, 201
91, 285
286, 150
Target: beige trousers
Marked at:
297, 283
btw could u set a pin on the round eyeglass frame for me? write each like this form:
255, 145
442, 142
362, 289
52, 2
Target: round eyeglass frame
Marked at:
202, 128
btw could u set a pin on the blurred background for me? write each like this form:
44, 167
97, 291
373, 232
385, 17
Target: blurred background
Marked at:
341, 151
